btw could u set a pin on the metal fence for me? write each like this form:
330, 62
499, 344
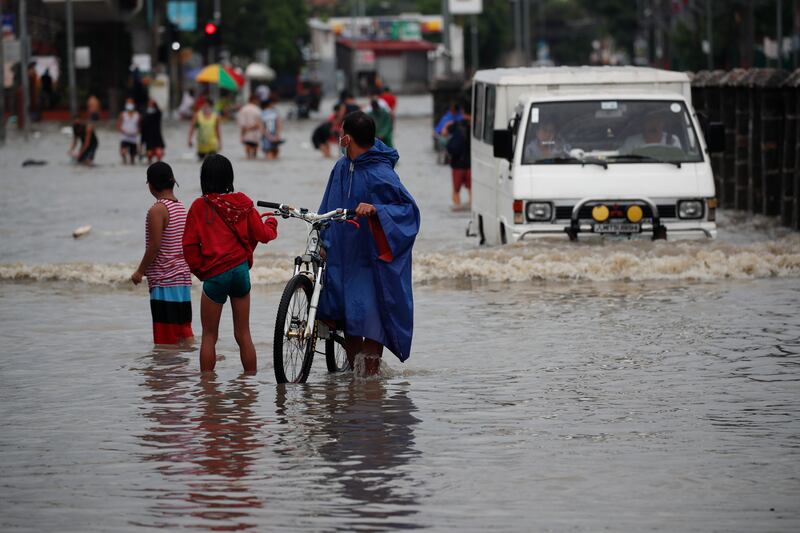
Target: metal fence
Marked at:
759, 171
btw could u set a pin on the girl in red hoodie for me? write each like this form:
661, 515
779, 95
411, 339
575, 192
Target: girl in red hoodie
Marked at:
222, 230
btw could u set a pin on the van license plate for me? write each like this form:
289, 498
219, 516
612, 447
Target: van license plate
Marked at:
616, 228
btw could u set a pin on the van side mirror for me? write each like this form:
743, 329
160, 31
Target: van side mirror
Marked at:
503, 144
715, 137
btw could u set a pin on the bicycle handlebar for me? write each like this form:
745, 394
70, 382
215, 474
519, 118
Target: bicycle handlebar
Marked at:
311, 217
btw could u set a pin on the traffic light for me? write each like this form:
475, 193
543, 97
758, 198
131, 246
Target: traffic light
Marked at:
170, 41
213, 33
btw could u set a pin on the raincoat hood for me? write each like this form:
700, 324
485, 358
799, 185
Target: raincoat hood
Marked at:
379, 153
232, 207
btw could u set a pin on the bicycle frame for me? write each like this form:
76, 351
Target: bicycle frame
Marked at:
311, 263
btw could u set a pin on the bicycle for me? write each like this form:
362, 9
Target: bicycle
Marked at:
296, 327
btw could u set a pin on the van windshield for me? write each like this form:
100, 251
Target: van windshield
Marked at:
610, 131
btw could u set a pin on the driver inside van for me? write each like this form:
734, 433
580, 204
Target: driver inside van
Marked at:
544, 144
653, 134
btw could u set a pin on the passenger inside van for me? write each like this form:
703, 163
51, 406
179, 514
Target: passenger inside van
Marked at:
544, 144
653, 133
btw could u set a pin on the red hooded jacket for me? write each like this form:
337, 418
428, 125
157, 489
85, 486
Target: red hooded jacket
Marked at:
209, 243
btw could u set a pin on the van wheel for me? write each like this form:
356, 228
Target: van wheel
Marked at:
481, 234
503, 239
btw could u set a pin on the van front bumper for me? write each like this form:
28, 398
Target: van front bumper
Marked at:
678, 229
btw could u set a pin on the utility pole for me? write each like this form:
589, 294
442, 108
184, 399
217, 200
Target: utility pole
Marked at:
515, 13
526, 31
73, 91
710, 34
23, 66
2, 86
448, 58
474, 43
779, 32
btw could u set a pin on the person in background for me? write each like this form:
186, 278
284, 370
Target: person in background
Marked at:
271, 137
262, 92
152, 139
47, 90
84, 135
453, 114
440, 132
458, 146
93, 108
34, 87
389, 97
222, 230
250, 126
186, 107
544, 144
128, 125
206, 123
346, 98
328, 132
168, 277
139, 91
381, 114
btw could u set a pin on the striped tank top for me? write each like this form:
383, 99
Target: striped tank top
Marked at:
169, 268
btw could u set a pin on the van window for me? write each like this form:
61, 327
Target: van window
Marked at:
614, 131
488, 123
477, 98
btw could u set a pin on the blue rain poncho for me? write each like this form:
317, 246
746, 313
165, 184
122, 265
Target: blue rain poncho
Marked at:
368, 277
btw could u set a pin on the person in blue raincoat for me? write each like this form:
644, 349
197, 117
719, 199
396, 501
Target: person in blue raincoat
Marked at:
368, 279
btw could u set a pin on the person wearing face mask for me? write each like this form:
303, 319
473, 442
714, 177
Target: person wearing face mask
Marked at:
128, 125
152, 140
368, 291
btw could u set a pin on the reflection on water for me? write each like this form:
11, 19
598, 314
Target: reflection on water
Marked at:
365, 435
222, 459
205, 433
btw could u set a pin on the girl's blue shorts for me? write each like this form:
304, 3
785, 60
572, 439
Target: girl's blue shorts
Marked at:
234, 283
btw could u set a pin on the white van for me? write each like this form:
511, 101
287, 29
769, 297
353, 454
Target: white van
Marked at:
589, 150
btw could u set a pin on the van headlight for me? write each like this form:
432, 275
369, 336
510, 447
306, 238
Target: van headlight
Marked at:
690, 209
539, 211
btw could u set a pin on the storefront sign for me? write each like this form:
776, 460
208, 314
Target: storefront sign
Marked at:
465, 7
183, 14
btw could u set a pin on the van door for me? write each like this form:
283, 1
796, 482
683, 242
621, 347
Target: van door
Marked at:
504, 190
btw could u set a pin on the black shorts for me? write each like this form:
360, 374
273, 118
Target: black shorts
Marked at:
251, 144
88, 155
132, 148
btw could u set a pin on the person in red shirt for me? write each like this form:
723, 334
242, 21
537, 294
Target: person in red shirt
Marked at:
222, 230
389, 97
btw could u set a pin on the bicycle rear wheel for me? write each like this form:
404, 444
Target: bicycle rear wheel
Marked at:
335, 354
293, 351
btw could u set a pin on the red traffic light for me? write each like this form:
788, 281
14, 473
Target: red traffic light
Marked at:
211, 28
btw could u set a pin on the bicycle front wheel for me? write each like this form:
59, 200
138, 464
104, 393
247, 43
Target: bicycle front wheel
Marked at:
293, 350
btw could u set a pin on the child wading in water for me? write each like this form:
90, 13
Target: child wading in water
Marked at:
222, 230
168, 275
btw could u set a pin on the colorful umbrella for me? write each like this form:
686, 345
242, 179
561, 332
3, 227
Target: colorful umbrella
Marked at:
224, 77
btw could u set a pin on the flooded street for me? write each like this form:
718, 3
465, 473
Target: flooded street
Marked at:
621, 386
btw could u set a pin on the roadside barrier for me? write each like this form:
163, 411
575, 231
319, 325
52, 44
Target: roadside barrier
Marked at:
759, 170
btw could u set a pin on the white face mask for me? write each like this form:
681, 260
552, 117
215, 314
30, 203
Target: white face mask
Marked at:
129, 107
342, 149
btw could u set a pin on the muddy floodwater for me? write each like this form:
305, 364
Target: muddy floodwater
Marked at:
552, 386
